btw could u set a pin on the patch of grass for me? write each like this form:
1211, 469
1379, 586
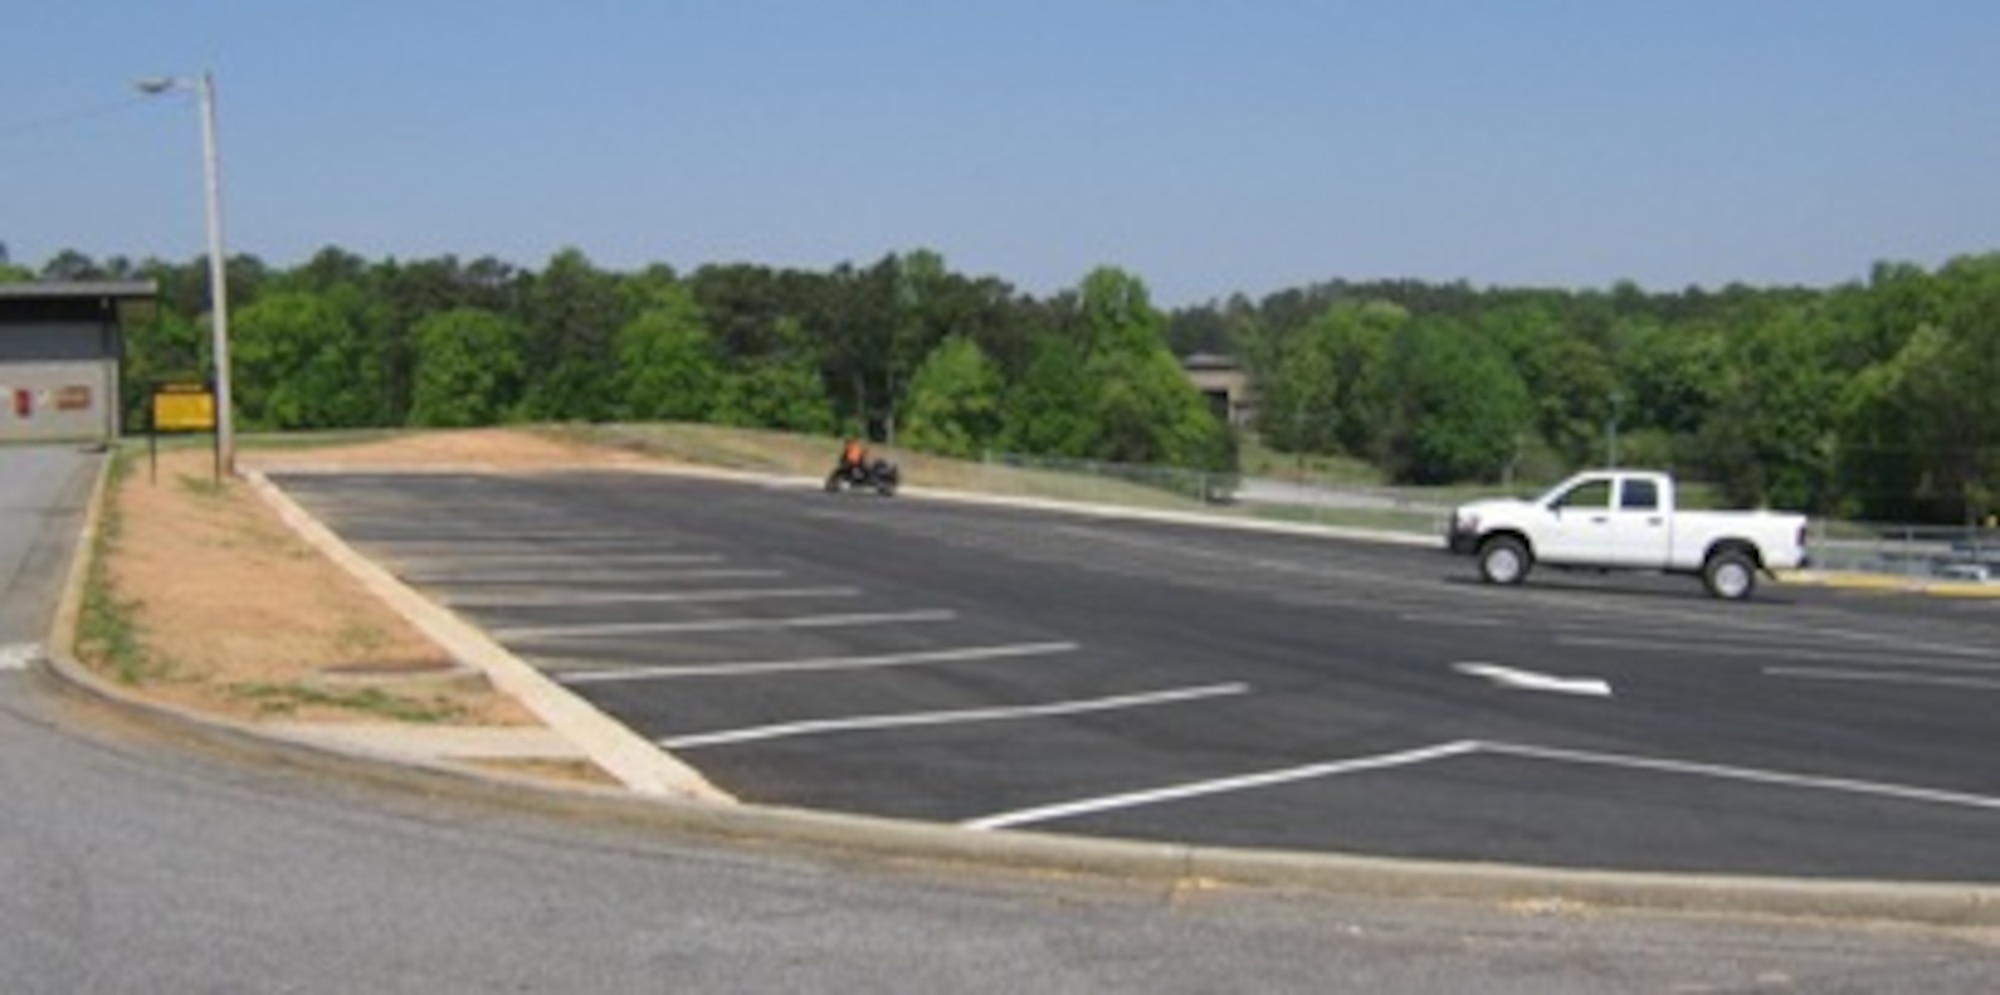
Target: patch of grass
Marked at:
108, 633
288, 699
320, 439
359, 640
205, 488
1258, 460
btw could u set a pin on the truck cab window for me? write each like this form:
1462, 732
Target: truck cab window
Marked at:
1591, 495
1639, 495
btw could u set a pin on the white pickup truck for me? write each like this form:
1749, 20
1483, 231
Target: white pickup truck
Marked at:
1626, 520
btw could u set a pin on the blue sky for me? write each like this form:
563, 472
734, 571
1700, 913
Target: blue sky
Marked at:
1209, 147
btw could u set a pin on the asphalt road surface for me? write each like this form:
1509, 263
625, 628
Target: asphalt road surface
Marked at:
1001, 668
132, 860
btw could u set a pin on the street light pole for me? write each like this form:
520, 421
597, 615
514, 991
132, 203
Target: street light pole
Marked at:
218, 275
1611, 430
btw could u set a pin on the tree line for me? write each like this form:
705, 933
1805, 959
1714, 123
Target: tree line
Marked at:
903, 350
1872, 399
1876, 399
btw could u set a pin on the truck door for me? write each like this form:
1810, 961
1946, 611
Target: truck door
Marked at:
1640, 535
1580, 530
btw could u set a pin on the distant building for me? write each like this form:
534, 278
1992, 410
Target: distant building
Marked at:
60, 345
1226, 384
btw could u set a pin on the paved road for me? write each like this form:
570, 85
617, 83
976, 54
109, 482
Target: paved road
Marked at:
1002, 668
43, 490
133, 862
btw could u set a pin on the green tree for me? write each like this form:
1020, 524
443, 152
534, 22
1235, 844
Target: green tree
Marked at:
781, 389
954, 401
667, 367
1460, 406
172, 347
573, 311
298, 364
1047, 410
469, 369
1140, 405
1770, 439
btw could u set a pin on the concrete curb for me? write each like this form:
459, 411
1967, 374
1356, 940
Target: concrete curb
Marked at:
640, 765
1890, 584
674, 806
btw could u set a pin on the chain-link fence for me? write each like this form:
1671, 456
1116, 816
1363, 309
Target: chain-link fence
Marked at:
1917, 552
1300, 498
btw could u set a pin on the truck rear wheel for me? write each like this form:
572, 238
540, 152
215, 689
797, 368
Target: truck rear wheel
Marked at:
1729, 574
1505, 560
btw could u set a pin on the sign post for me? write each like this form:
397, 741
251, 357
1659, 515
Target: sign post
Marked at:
182, 406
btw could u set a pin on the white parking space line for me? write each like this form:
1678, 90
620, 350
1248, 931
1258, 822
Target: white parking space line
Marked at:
1476, 621
834, 663
959, 717
17, 656
1764, 652
491, 561
596, 573
557, 598
1819, 632
1750, 775
1881, 677
545, 582
456, 539
1219, 786
721, 625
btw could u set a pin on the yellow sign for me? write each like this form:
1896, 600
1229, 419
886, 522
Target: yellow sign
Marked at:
183, 408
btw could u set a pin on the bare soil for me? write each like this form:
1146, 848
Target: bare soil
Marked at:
234, 615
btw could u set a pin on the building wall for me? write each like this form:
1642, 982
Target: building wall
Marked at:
58, 382
1228, 390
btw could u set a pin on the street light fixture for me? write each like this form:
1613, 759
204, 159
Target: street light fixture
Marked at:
218, 282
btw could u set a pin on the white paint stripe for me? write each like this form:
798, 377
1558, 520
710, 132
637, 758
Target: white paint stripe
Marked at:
1880, 677
17, 656
558, 598
721, 625
614, 675
1528, 680
502, 534
871, 722
1465, 620
1685, 648
1226, 785
544, 581
1890, 641
485, 562
1748, 774
501, 546
617, 573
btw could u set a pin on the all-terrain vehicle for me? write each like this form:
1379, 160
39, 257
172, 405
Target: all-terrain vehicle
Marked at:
878, 475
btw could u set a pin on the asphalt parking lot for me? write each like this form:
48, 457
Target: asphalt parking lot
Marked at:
1003, 668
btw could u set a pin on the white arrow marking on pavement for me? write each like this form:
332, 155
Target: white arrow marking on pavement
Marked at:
1528, 680
17, 656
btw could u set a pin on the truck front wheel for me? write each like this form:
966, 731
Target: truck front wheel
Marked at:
1504, 560
1729, 574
